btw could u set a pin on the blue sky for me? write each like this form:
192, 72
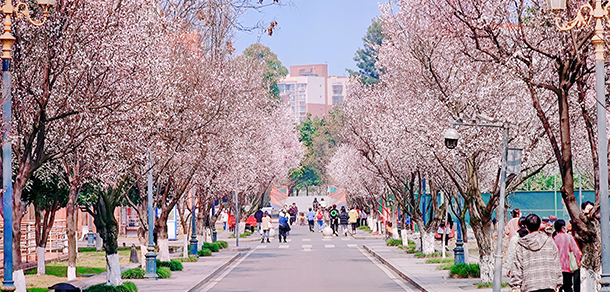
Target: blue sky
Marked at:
314, 31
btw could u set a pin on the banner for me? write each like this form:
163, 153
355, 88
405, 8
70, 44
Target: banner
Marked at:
338, 196
278, 196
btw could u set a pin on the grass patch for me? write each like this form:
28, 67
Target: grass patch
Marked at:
172, 265
62, 271
37, 289
446, 266
465, 271
393, 242
136, 273
126, 287
432, 255
488, 285
222, 243
440, 261
409, 248
187, 260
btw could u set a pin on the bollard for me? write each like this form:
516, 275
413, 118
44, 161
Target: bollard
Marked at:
133, 257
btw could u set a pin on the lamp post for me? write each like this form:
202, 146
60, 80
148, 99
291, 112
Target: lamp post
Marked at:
9, 11
193, 249
599, 13
90, 235
451, 139
151, 257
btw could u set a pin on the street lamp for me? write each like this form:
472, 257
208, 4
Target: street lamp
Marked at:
599, 13
451, 141
193, 242
151, 257
8, 11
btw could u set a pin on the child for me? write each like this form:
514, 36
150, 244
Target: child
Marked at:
388, 230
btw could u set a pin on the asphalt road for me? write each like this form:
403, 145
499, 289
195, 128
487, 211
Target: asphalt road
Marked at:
307, 263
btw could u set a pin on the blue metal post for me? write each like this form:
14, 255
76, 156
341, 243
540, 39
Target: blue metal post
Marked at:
193, 241
458, 251
7, 178
151, 257
90, 235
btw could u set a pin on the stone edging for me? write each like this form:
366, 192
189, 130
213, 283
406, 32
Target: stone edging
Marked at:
396, 270
214, 273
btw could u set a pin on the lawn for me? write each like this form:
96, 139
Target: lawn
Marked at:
88, 263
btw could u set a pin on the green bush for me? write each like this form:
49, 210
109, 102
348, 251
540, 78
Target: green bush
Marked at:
86, 249
440, 261
126, 287
465, 271
222, 244
211, 246
37, 289
136, 273
245, 234
393, 242
432, 255
365, 228
189, 259
164, 272
446, 266
172, 265
206, 252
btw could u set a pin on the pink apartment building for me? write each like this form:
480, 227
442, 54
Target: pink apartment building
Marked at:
309, 89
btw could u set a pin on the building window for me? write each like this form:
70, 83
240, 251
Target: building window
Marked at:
337, 89
302, 108
291, 97
302, 97
301, 87
337, 99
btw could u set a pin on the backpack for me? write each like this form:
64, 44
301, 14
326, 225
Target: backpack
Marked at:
320, 216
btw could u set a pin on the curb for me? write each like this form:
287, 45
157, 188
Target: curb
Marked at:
214, 273
396, 270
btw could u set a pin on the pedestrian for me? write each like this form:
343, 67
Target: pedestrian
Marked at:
315, 204
311, 216
443, 231
512, 245
224, 217
266, 226
334, 219
322, 203
513, 224
536, 266
284, 227
363, 217
320, 217
343, 220
293, 211
353, 219
326, 216
259, 219
566, 244
389, 233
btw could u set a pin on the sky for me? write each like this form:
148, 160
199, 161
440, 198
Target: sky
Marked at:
313, 32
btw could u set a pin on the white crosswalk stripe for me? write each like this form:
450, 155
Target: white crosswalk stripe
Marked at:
261, 247
352, 245
284, 246
329, 245
306, 239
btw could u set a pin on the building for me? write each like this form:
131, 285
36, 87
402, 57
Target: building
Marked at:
309, 89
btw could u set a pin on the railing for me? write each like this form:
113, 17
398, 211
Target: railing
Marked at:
57, 242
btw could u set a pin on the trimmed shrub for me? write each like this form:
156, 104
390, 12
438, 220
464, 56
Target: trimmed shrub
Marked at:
204, 252
222, 244
136, 273
465, 271
164, 272
187, 260
126, 287
393, 242
172, 265
211, 246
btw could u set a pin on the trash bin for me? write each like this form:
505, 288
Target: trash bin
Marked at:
214, 236
65, 287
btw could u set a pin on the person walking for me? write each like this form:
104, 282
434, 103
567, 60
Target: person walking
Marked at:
266, 226
363, 216
353, 219
334, 219
326, 216
259, 219
513, 224
536, 266
320, 217
224, 217
343, 220
512, 245
566, 244
284, 227
311, 216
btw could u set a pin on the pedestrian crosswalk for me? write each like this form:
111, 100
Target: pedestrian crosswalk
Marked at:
307, 247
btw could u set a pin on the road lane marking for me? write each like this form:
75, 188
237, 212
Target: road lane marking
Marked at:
231, 267
306, 246
306, 239
261, 247
345, 239
284, 246
325, 239
390, 275
352, 245
329, 245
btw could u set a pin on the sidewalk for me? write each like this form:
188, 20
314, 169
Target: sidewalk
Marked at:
423, 276
192, 274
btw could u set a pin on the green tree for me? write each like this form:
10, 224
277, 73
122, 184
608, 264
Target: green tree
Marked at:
366, 57
274, 70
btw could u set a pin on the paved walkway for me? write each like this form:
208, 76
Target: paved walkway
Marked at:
424, 276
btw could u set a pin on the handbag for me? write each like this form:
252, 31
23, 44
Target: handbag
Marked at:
573, 264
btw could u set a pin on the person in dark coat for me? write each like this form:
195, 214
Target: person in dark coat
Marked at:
334, 219
343, 220
259, 219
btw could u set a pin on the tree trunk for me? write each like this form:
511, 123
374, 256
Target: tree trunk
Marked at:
71, 229
113, 274
482, 232
161, 227
143, 239
18, 213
